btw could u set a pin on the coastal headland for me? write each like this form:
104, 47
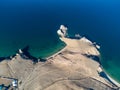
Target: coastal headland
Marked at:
76, 67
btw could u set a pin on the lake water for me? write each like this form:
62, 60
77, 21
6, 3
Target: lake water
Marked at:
35, 22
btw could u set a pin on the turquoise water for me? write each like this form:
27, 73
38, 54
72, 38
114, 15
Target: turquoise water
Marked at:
35, 22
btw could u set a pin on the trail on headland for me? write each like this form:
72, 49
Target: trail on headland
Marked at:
68, 69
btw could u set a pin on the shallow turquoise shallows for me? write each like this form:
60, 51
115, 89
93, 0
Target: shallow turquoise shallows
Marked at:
34, 23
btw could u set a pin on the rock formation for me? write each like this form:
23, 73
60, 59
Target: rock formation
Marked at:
62, 31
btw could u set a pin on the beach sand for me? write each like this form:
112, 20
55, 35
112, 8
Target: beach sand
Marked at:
69, 69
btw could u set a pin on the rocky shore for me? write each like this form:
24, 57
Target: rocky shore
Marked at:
73, 68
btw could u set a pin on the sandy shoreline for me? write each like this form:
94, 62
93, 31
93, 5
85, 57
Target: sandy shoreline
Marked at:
115, 82
110, 78
55, 53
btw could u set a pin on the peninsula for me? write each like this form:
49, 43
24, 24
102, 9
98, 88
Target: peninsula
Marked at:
76, 67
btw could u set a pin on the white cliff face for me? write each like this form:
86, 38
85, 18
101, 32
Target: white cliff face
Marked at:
62, 31
20, 51
62, 27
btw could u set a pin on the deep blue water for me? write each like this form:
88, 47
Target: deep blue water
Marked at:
35, 22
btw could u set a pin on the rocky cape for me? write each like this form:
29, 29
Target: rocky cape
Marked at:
73, 68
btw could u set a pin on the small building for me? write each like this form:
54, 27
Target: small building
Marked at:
15, 83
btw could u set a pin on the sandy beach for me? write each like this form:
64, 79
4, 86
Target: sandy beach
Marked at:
115, 82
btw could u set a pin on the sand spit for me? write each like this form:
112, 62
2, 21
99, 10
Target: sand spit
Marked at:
70, 69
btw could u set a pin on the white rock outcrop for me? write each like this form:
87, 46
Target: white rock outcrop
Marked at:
62, 31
